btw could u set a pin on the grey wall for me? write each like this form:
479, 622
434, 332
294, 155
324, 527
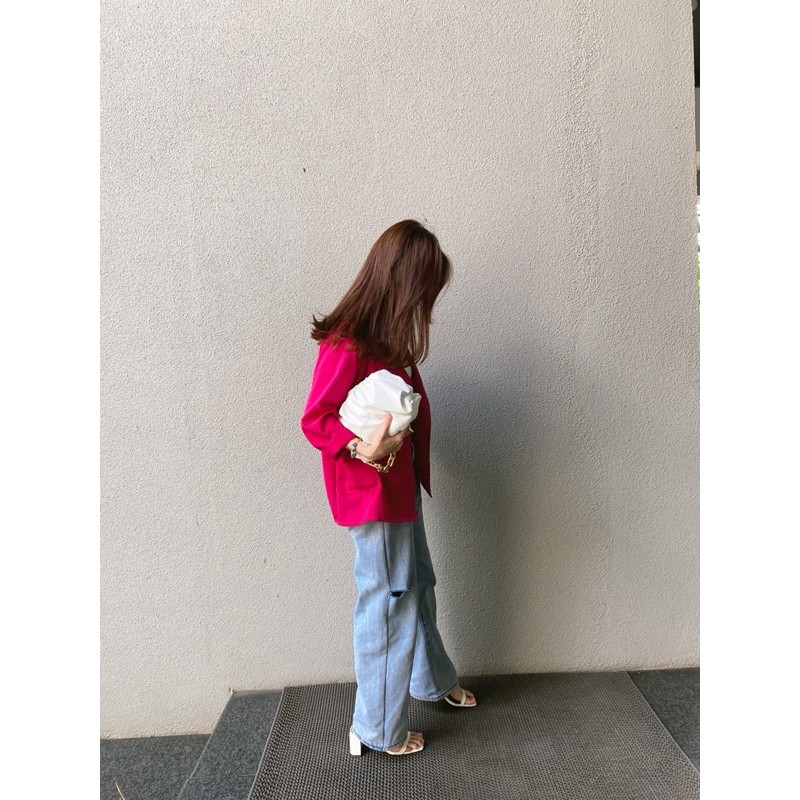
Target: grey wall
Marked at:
251, 154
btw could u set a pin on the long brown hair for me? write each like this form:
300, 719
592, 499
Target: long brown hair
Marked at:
389, 307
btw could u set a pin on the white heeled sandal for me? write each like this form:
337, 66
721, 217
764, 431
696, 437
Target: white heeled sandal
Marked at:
462, 703
355, 746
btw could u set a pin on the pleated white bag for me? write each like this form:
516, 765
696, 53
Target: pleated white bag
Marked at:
369, 402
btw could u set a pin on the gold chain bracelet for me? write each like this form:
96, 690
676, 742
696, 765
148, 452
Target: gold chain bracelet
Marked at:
383, 467
388, 465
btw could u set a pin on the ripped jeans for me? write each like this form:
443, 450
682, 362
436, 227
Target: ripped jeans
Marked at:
398, 649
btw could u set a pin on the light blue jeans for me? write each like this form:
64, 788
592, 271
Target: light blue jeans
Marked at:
398, 649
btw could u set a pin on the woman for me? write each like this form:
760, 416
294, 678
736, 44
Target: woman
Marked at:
383, 322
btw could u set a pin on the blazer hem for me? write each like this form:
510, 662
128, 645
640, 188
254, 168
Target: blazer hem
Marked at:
415, 518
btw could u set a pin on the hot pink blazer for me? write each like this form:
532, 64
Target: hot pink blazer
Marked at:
357, 492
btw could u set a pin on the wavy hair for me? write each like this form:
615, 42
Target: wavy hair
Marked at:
388, 309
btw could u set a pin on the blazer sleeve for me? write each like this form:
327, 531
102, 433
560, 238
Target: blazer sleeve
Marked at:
334, 375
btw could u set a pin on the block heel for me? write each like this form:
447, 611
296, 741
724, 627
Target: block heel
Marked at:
355, 744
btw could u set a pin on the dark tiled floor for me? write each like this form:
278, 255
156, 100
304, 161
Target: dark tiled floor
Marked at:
152, 768
230, 762
674, 694
162, 768
166, 767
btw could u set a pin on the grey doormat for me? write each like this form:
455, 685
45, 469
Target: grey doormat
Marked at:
550, 736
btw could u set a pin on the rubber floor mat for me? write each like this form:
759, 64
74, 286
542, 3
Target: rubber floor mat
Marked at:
548, 736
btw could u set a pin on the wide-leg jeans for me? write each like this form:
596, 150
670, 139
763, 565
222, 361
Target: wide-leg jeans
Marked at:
397, 646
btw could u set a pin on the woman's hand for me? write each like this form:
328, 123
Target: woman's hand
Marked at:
382, 444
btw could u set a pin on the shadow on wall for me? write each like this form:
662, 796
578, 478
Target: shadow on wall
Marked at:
520, 494
475, 502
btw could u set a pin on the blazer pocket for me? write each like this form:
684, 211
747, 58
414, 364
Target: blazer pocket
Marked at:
353, 475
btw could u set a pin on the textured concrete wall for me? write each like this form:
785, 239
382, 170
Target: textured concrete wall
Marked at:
251, 154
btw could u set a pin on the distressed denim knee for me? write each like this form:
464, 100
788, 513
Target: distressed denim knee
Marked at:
397, 647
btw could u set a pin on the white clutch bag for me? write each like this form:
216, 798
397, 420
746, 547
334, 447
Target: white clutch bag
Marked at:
369, 402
